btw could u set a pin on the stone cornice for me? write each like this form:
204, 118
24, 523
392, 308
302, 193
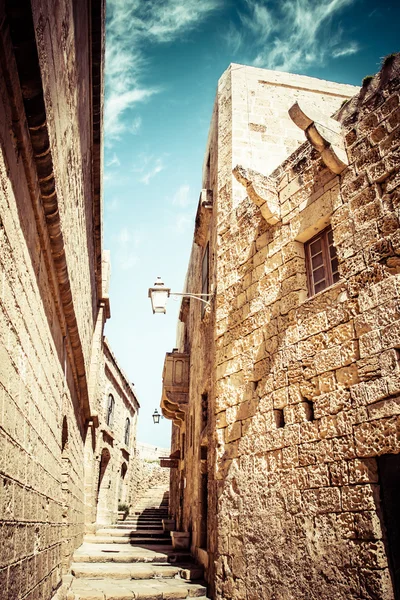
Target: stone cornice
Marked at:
21, 64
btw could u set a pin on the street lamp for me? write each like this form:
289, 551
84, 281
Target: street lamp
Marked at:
156, 417
159, 295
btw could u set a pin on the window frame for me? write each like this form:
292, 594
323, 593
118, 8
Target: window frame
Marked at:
110, 410
327, 261
127, 433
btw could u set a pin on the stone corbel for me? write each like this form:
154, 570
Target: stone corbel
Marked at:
262, 191
203, 217
184, 311
324, 133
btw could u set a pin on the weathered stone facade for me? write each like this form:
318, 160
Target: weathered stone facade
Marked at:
288, 435
117, 440
55, 370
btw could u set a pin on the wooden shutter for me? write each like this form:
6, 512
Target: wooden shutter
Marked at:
321, 262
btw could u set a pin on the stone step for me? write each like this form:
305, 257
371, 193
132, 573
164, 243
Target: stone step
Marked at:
145, 509
149, 514
132, 525
109, 539
129, 532
125, 589
140, 521
122, 553
115, 570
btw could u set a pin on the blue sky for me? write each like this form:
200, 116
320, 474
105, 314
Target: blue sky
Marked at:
163, 61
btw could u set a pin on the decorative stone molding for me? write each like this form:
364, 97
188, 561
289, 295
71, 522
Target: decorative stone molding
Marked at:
175, 390
325, 134
203, 216
262, 191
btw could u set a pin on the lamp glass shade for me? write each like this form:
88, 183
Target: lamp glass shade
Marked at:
159, 295
156, 417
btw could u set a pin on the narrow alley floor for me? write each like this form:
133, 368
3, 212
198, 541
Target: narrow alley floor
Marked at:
134, 559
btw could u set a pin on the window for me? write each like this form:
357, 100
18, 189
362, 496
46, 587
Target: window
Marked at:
321, 262
127, 431
110, 410
204, 277
204, 409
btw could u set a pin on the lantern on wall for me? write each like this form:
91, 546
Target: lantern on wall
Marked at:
158, 295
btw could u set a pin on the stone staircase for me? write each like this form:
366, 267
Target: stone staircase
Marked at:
134, 559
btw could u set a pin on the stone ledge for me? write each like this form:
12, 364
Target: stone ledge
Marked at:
262, 191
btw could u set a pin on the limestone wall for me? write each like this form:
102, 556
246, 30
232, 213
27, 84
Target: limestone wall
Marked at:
304, 390
49, 292
114, 457
299, 509
151, 452
144, 476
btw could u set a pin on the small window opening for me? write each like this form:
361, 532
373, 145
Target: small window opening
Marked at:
64, 434
203, 452
309, 409
321, 262
204, 408
127, 431
279, 417
110, 410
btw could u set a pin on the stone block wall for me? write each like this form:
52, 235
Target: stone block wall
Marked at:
50, 287
299, 510
114, 458
145, 474
303, 390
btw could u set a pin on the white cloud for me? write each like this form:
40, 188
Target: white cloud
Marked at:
131, 26
293, 34
181, 197
151, 171
352, 48
113, 161
233, 37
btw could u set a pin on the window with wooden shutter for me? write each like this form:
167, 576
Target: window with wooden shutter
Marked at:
321, 262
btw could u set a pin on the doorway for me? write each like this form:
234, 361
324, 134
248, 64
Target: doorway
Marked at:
103, 488
389, 479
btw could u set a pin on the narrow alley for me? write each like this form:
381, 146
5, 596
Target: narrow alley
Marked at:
135, 560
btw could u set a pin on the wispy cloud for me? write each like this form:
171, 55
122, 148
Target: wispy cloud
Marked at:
352, 48
113, 161
150, 168
292, 35
131, 26
182, 196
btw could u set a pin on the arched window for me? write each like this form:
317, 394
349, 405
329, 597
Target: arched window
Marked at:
127, 431
110, 410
